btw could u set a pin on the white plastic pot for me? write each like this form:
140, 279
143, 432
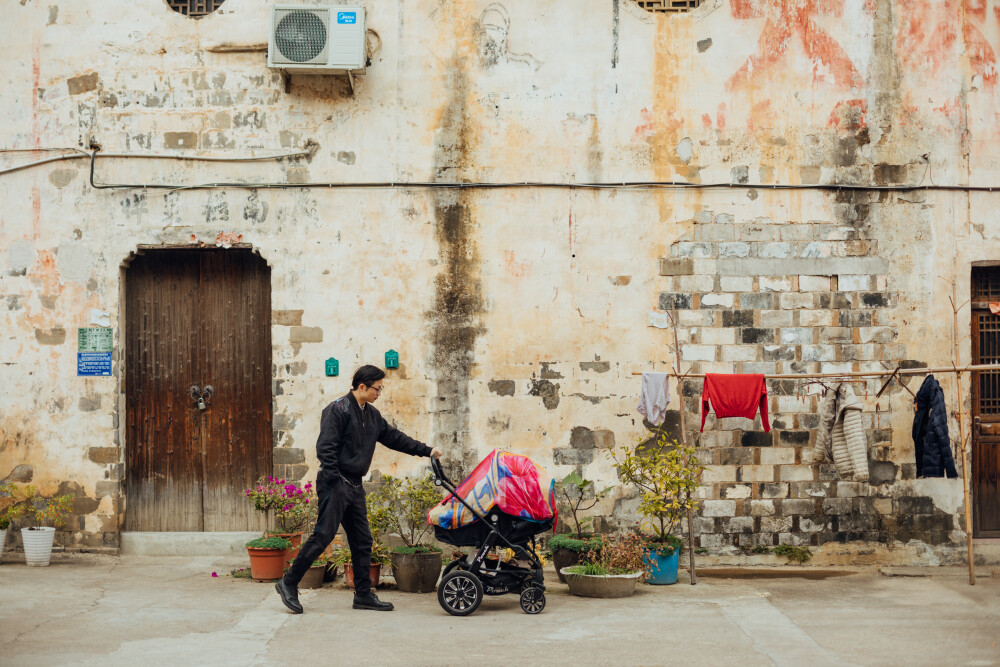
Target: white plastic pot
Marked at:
3, 540
37, 545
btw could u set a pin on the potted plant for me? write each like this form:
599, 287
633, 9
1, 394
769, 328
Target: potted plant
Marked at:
378, 523
11, 511
578, 496
611, 572
380, 558
267, 557
666, 475
313, 578
416, 566
293, 508
26, 501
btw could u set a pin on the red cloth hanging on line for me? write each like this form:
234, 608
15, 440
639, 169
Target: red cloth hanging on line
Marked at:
735, 396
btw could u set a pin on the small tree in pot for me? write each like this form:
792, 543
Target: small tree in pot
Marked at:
24, 500
416, 565
666, 475
567, 549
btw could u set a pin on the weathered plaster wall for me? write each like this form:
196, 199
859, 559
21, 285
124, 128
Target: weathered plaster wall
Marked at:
519, 314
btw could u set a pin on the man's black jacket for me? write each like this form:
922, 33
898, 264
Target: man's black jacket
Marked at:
347, 437
930, 432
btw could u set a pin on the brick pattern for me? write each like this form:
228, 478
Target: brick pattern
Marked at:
762, 296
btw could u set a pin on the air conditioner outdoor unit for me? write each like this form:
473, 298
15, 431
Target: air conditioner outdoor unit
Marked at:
319, 39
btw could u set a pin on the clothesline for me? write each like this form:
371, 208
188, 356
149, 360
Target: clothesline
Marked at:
891, 371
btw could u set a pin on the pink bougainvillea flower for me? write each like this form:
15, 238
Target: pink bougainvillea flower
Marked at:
215, 574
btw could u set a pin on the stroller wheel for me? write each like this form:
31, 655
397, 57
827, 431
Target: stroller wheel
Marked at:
460, 593
532, 600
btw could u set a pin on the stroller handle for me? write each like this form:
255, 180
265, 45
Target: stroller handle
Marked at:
439, 473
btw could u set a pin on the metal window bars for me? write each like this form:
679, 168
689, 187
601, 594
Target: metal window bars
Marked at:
195, 8
668, 6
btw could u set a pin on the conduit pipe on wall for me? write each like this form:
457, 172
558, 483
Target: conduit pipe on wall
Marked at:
77, 154
311, 149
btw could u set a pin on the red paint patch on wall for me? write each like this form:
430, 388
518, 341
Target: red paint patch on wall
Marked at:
646, 128
787, 20
848, 117
46, 272
514, 268
227, 239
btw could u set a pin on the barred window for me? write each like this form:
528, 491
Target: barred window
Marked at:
669, 6
195, 8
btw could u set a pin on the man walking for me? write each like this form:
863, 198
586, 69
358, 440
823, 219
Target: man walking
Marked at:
349, 429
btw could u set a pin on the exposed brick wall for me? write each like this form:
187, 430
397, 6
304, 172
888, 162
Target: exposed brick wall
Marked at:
761, 296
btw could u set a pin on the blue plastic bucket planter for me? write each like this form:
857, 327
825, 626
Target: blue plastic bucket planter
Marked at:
663, 569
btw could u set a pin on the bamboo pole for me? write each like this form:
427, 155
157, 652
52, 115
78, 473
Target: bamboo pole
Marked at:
961, 444
680, 399
871, 374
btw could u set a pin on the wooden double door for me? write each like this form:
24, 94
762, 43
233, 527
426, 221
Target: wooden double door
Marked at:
197, 384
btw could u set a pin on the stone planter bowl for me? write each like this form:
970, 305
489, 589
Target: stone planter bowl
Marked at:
601, 586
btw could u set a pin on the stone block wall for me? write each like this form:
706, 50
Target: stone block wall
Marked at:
762, 296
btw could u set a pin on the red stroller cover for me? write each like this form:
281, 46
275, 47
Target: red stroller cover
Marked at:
514, 483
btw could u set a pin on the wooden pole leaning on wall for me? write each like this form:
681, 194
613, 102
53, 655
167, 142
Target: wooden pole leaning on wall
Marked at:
680, 400
961, 443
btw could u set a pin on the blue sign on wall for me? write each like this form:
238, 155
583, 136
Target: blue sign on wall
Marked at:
347, 17
93, 363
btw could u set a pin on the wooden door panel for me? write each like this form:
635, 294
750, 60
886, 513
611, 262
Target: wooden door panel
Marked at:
163, 482
236, 362
196, 317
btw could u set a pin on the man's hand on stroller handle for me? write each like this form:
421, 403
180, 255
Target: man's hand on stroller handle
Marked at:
436, 453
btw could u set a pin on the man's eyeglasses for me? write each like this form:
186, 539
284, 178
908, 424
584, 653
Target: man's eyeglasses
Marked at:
378, 390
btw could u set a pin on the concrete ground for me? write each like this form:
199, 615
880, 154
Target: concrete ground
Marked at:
129, 610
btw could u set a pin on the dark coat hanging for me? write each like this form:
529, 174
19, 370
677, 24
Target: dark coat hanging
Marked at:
930, 432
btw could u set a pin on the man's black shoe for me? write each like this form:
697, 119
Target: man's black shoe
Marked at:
371, 602
289, 595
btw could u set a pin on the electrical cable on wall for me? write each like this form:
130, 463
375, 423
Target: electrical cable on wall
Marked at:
311, 149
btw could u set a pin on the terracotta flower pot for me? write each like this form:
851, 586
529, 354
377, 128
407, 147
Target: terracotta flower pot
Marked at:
295, 539
375, 573
416, 573
266, 564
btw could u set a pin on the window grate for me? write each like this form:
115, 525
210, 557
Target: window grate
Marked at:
989, 353
195, 8
670, 6
985, 284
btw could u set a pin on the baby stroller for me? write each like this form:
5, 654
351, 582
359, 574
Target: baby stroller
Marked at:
504, 503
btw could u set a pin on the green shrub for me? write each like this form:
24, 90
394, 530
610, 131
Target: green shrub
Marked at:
573, 544
666, 547
268, 543
666, 475
796, 554
419, 549
590, 569
406, 503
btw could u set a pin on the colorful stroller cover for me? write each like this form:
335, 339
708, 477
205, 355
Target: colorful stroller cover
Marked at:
512, 482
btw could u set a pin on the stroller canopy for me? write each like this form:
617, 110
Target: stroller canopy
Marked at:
513, 483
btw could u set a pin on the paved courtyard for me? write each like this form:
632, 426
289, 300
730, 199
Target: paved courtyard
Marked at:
130, 610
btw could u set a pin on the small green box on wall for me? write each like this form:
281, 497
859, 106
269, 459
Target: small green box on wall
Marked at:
392, 359
332, 367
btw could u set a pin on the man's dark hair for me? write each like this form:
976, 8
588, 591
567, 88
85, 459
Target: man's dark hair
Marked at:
367, 375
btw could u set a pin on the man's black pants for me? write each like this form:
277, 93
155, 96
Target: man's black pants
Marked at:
339, 503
